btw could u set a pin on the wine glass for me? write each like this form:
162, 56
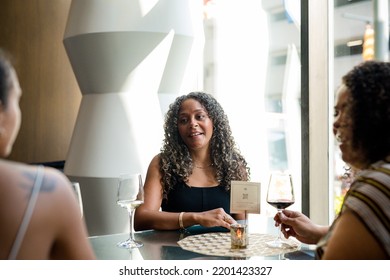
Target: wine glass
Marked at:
280, 195
76, 187
130, 196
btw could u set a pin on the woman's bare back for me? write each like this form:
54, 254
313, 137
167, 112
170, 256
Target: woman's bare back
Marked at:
56, 230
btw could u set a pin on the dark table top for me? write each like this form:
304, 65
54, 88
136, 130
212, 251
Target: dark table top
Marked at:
162, 245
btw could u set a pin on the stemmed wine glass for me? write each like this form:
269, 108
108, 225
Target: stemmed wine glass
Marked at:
130, 196
76, 188
280, 195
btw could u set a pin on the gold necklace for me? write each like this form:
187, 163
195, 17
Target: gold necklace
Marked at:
204, 167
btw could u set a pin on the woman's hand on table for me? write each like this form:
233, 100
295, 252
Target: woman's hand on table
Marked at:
214, 218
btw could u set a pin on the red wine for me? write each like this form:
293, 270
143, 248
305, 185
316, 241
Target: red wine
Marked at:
281, 204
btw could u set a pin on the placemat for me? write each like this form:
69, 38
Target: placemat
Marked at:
218, 244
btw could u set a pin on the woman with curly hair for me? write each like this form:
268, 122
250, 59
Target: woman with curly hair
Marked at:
190, 178
362, 128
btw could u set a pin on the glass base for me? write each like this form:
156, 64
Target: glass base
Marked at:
129, 244
278, 243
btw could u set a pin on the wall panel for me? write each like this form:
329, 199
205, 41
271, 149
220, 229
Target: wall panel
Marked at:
32, 32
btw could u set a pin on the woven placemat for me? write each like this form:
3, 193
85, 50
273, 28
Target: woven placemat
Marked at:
218, 244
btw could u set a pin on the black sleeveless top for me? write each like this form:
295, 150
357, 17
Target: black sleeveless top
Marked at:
183, 198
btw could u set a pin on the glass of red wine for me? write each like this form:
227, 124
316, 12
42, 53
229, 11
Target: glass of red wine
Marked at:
280, 195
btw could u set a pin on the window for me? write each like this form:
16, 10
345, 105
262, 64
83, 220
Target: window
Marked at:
252, 65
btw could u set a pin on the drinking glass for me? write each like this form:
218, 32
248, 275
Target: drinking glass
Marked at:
130, 196
280, 195
76, 187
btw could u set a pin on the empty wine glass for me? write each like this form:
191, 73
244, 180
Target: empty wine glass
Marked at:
130, 196
280, 195
76, 187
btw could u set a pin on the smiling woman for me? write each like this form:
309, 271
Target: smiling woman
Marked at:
195, 126
190, 179
342, 129
362, 119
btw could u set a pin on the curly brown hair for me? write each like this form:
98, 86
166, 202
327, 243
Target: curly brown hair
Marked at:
175, 160
369, 85
5, 77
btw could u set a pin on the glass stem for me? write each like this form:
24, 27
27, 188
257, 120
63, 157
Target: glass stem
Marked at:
131, 219
280, 227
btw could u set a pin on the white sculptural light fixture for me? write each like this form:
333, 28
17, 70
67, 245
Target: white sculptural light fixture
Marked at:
123, 53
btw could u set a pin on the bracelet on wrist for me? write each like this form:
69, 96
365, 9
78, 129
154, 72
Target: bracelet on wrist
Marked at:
181, 225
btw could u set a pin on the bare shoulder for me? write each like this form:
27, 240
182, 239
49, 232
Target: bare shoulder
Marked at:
55, 229
24, 175
54, 181
155, 162
57, 187
154, 173
21, 178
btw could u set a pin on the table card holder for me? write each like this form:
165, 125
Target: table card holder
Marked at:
244, 198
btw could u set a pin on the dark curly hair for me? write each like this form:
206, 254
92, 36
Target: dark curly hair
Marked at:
369, 85
5, 77
175, 160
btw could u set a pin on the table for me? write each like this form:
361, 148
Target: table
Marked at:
162, 245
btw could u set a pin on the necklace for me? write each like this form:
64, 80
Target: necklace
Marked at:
204, 167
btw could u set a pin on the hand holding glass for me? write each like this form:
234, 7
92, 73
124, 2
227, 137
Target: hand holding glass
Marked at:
130, 196
280, 195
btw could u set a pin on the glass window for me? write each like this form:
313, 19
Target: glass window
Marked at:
252, 65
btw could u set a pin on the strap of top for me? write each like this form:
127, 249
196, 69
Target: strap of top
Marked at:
27, 215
